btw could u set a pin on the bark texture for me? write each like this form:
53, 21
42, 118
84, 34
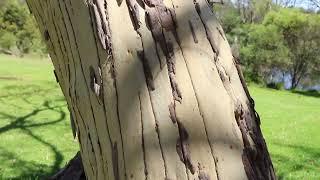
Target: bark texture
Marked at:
153, 90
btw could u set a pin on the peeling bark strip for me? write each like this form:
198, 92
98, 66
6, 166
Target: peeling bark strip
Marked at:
255, 156
146, 70
255, 161
183, 148
172, 111
102, 24
159, 19
207, 29
195, 39
134, 13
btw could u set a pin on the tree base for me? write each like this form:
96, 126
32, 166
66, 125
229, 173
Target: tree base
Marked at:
72, 171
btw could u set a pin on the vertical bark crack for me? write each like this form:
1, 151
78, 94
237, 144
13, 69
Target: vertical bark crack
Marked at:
142, 141
194, 35
183, 147
159, 137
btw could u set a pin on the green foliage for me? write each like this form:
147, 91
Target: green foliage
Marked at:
269, 39
301, 35
7, 40
17, 22
274, 85
263, 50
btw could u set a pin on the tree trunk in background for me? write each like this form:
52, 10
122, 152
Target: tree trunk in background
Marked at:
153, 90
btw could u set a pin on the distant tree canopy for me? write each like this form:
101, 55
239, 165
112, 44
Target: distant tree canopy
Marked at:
18, 31
275, 43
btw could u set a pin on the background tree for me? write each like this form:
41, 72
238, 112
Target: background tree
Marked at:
18, 28
301, 36
264, 52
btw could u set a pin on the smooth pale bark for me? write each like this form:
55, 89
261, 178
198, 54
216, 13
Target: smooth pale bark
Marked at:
153, 90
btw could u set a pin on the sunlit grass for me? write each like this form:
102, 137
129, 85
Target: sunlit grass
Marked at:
35, 135
290, 123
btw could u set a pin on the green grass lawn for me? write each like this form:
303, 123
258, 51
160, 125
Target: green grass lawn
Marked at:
291, 127
36, 140
35, 135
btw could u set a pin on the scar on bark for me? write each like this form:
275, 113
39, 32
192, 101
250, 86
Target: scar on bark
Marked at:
95, 82
134, 13
73, 126
202, 175
195, 39
46, 35
172, 111
147, 70
183, 148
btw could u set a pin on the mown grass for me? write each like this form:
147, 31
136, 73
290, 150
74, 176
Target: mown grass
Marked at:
36, 140
35, 135
290, 123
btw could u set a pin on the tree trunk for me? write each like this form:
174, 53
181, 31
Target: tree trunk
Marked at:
153, 90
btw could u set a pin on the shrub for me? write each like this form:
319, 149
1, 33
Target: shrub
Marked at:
275, 85
7, 40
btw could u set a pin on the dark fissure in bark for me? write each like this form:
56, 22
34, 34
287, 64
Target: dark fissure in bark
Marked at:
172, 111
147, 70
56, 76
183, 148
194, 35
133, 8
142, 141
115, 162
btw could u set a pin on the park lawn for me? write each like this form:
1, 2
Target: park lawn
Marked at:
291, 127
36, 140
35, 135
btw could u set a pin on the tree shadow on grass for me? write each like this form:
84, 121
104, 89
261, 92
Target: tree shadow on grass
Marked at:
28, 170
289, 164
311, 93
32, 170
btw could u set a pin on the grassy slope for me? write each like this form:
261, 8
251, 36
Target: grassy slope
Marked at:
290, 123
35, 136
